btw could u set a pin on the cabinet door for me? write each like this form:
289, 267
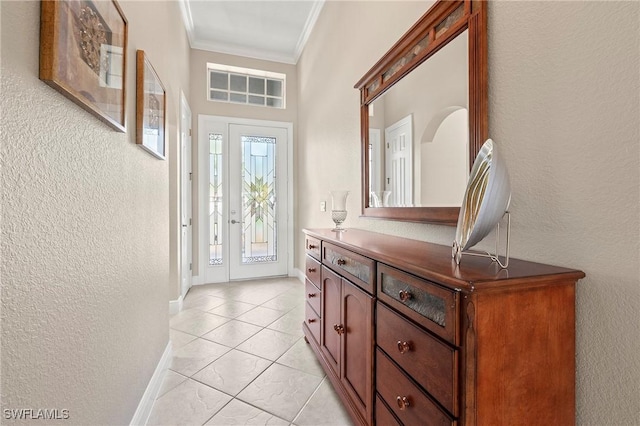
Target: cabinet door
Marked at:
330, 337
357, 346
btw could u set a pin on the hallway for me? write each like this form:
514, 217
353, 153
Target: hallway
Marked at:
239, 357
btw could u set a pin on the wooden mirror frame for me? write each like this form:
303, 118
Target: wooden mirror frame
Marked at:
443, 22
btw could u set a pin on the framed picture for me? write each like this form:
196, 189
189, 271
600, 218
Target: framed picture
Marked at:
83, 55
151, 106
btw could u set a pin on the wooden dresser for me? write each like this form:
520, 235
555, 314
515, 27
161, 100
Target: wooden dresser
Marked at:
407, 337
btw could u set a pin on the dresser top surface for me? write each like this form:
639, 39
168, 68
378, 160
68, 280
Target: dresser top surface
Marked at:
434, 261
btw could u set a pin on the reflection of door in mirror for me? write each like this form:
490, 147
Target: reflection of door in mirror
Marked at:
436, 95
399, 162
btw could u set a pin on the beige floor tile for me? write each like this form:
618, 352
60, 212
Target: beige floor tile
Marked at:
324, 409
196, 355
232, 333
239, 413
260, 316
207, 289
170, 381
190, 403
185, 314
280, 390
257, 297
232, 309
199, 324
301, 357
203, 303
232, 372
269, 344
285, 301
179, 339
289, 323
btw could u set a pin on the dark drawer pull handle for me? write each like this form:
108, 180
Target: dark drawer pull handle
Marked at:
338, 328
341, 262
311, 320
310, 295
312, 246
403, 402
405, 295
311, 270
403, 347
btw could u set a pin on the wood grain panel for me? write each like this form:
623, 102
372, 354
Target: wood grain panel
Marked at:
431, 363
393, 386
313, 296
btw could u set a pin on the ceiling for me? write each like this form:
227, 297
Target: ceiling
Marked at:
265, 29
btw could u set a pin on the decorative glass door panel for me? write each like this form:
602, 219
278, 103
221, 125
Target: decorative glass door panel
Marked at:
257, 201
216, 205
259, 212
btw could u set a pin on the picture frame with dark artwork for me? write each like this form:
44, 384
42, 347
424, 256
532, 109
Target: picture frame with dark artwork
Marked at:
151, 107
83, 55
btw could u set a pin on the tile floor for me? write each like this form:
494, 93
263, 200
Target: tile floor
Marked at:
239, 358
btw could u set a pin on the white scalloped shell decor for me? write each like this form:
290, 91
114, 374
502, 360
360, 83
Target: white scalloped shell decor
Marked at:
486, 199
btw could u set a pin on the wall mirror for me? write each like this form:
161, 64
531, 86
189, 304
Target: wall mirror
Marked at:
424, 116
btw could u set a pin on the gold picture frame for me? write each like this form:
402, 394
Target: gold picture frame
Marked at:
151, 107
83, 55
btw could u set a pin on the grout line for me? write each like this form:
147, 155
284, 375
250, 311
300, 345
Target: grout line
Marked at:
308, 400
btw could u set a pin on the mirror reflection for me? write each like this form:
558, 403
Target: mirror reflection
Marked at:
419, 134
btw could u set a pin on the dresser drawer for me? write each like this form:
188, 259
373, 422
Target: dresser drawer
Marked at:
406, 400
312, 321
313, 296
358, 269
312, 246
384, 416
433, 307
430, 362
312, 271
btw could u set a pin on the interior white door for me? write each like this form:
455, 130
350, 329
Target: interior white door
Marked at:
186, 198
399, 162
257, 201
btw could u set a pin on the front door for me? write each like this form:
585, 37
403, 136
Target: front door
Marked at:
247, 222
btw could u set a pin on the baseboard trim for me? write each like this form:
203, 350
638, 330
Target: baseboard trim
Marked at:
143, 411
175, 306
297, 273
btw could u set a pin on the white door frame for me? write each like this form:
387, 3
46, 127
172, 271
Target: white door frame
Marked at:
375, 159
186, 198
203, 189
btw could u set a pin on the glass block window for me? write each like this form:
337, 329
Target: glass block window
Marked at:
246, 86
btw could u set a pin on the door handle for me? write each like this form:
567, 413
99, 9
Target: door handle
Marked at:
184, 226
234, 221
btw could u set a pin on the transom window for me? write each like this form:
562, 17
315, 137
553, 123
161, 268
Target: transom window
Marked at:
245, 86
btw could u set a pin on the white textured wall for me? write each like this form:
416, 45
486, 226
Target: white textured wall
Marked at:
85, 230
564, 90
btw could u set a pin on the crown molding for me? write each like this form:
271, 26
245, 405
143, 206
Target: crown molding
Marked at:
245, 52
308, 28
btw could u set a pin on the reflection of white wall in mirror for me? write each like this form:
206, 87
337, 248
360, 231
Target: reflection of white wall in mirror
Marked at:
399, 175
444, 159
438, 83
